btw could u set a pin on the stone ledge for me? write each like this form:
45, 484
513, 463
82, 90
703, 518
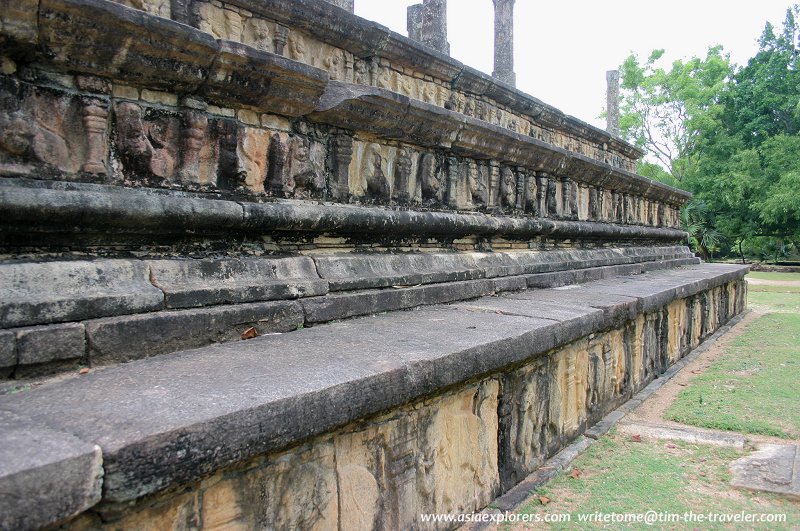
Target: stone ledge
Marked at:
216, 300
171, 420
366, 38
36, 293
36, 207
112, 40
45, 475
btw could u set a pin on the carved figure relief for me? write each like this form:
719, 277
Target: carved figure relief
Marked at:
257, 34
541, 193
384, 78
306, 176
429, 177
334, 64
595, 212
508, 187
296, 46
145, 147
402, 170
361, 75
478, 184
195, 125
552, 202
16, 137
375, 183
530, 203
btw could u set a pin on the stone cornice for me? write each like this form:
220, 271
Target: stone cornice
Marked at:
366, 38
389, 115
40, 206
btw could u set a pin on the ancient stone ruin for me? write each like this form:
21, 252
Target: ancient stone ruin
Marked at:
271, 265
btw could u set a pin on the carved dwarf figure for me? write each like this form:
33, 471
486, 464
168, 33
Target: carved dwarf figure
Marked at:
508, 187
16, 136
306, 176
375, 184
428, 176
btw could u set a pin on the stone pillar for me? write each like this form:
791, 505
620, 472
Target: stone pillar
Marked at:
414, 22
612, 102
344, 4
427, 23
504, 42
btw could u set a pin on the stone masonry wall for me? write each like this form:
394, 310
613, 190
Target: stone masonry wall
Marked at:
450, 453
254, 109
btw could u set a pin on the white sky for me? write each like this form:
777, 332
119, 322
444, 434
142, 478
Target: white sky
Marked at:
563, 48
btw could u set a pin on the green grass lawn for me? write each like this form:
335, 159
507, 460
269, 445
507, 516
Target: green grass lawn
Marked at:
752, 388
621, 476
766, 275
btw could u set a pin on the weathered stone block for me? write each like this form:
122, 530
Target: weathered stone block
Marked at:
42, 344
8, 350
19, 22
109, 39
192, 283
74, 290
158, 333
46, 476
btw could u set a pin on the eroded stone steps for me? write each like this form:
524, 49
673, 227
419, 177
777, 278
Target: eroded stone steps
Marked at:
173, 419
109, 311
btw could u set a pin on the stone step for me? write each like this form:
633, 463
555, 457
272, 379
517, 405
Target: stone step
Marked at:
171, 420
91, 311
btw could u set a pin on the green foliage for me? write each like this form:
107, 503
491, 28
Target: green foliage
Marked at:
730, 135
698, 220
664, 110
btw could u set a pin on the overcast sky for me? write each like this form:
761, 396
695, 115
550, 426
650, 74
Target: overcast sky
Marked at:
563, 48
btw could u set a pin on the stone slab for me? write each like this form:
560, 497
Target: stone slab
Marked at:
8, 349
172, 419
772, 468
45, 475
36, 293
41, 344
367, 302
125, 338
684, 433
205, 282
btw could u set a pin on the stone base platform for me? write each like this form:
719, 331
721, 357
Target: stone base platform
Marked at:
363, 423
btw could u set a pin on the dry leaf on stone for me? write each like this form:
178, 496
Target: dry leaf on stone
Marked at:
544, 500
85, 370
250, 333
636, 438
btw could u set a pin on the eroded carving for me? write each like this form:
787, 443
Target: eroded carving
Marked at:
145, 147
306, 176
508, 187
430, 178
374, 181
95, 122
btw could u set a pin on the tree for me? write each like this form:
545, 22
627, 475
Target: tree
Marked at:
730, 135
664, 111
